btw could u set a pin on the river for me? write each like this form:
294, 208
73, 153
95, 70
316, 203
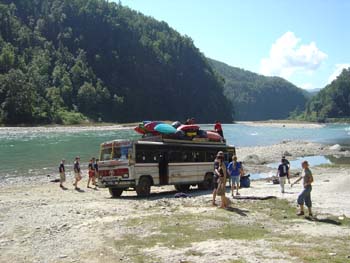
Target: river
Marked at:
37, 151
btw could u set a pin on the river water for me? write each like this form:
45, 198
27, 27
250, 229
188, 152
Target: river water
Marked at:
37, 151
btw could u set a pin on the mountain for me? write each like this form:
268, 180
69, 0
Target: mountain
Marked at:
332, 101
257, 97
313, 92
62, 61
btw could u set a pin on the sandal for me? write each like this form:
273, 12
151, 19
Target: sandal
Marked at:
301, 213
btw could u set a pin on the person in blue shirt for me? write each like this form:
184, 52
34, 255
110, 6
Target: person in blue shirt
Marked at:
235, 171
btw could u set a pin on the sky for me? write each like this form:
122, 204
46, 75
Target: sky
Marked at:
305, 42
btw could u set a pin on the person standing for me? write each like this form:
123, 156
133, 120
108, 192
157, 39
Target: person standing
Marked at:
91, 173
235, 171
288, 164
218, 128
96, 170
62, 171
220, 179
305, 196
283, 173
77, 172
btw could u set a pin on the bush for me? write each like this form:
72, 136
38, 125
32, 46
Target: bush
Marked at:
70, 118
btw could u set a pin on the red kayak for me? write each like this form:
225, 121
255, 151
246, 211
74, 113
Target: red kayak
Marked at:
214, 136
189, 127
151, 125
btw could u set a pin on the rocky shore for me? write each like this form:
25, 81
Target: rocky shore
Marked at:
39, 222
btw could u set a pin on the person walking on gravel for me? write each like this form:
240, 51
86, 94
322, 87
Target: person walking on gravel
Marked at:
91, 172
62, 171
77, 172
305, 196
283, 174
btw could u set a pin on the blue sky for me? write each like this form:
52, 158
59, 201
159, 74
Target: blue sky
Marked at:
306, 42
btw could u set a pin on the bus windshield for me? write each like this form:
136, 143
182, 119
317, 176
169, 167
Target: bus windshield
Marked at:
119, 151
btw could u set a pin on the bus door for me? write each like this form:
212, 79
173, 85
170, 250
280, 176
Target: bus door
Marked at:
163, 168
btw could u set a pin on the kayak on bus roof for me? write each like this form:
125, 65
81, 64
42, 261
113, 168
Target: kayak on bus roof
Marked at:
164, 128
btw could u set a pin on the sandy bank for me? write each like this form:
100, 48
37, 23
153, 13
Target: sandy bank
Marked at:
39, 222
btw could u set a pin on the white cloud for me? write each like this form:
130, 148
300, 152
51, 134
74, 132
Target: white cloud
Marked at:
288, 55
338, 69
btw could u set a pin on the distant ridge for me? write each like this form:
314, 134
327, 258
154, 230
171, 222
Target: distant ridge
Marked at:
256, 97
332, 102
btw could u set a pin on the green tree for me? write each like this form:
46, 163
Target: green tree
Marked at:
87, 99
18, 97
7, 58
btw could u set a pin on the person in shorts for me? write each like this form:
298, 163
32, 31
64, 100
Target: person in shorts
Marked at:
92, 172
96, 170
283, 174
235, 171
77, 172
305, 196
62, 172
220, 178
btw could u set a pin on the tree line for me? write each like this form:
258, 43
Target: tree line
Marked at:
331, 102
63, 61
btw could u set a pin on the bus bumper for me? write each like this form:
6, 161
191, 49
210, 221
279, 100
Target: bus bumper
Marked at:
115, 182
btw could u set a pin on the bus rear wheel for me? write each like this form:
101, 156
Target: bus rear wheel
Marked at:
143, 189
115, 192
208, 183
182, 187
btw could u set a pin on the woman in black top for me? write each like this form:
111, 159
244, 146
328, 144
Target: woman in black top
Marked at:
220, 178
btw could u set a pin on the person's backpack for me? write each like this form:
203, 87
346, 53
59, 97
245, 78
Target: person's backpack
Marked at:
245, 181
285, 169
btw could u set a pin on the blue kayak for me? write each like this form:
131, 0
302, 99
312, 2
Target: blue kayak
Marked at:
165, 128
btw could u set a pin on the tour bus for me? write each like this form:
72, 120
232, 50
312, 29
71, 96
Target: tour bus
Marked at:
140, 164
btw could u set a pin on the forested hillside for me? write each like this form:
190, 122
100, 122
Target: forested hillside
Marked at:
257, 97
62, 60
333, 101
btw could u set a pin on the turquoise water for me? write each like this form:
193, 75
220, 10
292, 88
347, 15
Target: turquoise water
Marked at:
37, 151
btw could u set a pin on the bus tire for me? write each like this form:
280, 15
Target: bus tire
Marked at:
182, 187
115, 192
143, 189
208, 183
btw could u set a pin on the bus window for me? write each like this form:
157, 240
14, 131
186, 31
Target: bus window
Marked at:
210, 156
121, 152
229, 156
188, 156
199, 156
155, 157
105, 154
175, 157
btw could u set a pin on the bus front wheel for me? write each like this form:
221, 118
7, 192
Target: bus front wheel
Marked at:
143, 189
115, 192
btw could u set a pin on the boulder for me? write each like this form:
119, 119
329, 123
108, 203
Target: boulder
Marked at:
252, 159
336, 147
286, 153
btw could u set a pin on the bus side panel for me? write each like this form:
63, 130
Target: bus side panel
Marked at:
204, 168
151, 169
181, 173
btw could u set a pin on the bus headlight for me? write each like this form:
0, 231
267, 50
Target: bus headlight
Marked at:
125, 175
